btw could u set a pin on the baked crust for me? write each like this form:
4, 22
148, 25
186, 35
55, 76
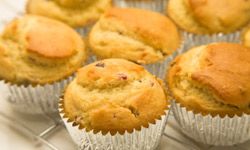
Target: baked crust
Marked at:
76, 13
39, 50
72, 3
114, 95
125, 33
209, 16
212, 79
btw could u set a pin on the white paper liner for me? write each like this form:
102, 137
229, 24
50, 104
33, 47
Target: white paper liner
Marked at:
154, 5
36, 100
212, 130
192, 40
92, 58
145, 139
84, 31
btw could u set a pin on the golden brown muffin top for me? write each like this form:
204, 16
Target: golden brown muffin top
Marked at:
76, 13
210, 16
212, 79
39, 50
49, 38
135, 34
114, 95
151, 29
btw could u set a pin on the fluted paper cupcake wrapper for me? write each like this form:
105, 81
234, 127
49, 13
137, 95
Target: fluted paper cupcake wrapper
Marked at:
212, 130
92, 58
154, 5
192, 40
36, 100
145, 139
83, 31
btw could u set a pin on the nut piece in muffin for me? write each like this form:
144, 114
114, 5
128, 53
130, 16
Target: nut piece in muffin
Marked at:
137, 35
38, 50
209, 16
114, 95
76, 13
246, 37
212, 79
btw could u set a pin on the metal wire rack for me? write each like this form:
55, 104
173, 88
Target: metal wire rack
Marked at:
41, 138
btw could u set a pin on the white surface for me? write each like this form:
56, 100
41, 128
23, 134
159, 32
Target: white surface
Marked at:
13, 139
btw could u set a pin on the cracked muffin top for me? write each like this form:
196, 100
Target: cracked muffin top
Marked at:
209, 16
137, 35
39, 50
212, 79
114, 95
76, 13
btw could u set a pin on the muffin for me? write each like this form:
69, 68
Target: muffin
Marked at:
154, 5
38, 57
80, 14
211, 91
218, 20
246, 37
125, 33
111, 101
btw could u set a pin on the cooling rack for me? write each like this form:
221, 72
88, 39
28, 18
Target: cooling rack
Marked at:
42, 131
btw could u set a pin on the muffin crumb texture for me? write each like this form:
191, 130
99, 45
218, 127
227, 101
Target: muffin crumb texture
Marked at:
212, 79
114, 95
